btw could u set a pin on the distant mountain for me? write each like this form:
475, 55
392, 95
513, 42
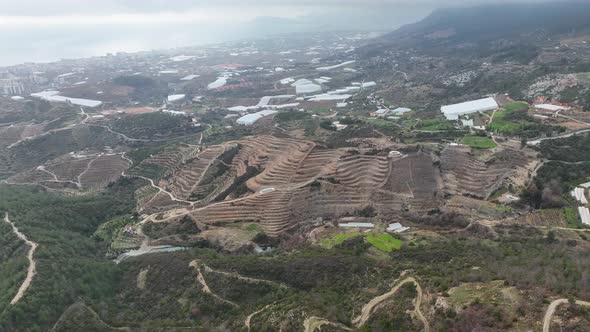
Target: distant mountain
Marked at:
492, 22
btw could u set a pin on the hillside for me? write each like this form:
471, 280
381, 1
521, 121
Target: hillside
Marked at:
483, 24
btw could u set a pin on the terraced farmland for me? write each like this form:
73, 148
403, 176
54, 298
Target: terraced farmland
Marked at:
75, 172
283, 184
478, 176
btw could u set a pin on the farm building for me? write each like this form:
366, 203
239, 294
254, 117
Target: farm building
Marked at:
550, 107
304, 86
173, 98
357, 225
53, 96
452, 112
250, 119
579, 195
385, 111
584, 215
397, 228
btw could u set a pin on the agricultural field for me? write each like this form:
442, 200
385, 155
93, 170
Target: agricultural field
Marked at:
149, 213
434, 125
382, 241
478, 142
506, 120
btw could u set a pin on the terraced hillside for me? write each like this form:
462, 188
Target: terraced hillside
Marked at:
478, 176
283, 183
75, 172
51, 145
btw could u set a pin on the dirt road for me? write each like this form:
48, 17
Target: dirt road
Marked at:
249, 318
201, 279
368, 308
32, 270
313, 323
551, 310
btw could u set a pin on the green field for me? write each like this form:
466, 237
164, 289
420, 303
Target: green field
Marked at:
381, 241
504, 123
384, 242
331, 241
434, 125
479, 142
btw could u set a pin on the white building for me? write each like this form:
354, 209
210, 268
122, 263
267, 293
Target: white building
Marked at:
178, 97
452, 112
250, 119
584, 215
579, 195
357, 225
550, 107
11, 87
53, 96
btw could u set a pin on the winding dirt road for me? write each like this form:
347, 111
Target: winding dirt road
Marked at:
249, 318
201, 279
551, 311
32, 270
313, 323
368, 308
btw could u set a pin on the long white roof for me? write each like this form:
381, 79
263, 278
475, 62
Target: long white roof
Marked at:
53, 96
249, 119
584, 215
452, 112
550, 107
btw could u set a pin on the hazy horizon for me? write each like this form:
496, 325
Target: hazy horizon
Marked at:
79, 29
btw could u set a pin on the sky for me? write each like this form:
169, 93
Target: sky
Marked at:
49, 30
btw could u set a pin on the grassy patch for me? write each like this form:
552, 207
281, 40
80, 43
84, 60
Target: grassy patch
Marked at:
479, 142
571, 217
283, 117
505, 122
330, 242
320, 110
381, 241
434, 125
494, 293
110, 229
384, 242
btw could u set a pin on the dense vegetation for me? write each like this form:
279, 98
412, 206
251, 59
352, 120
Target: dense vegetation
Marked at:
571, 149
70, 263
155, 126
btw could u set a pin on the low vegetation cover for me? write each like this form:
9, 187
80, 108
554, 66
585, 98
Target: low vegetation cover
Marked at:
479, 142
157, 125
382, 241
571, 149
283, 117
434, 125
513, 119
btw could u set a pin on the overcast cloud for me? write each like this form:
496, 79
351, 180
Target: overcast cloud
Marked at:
42, 30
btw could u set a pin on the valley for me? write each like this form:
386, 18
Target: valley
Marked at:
433, 178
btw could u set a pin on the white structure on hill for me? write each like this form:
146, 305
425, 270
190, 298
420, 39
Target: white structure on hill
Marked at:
584, 215
173, 98
53, 96
11, 87
550, 107
250, 119
397, 228
579, 195
357, 225
452, 112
